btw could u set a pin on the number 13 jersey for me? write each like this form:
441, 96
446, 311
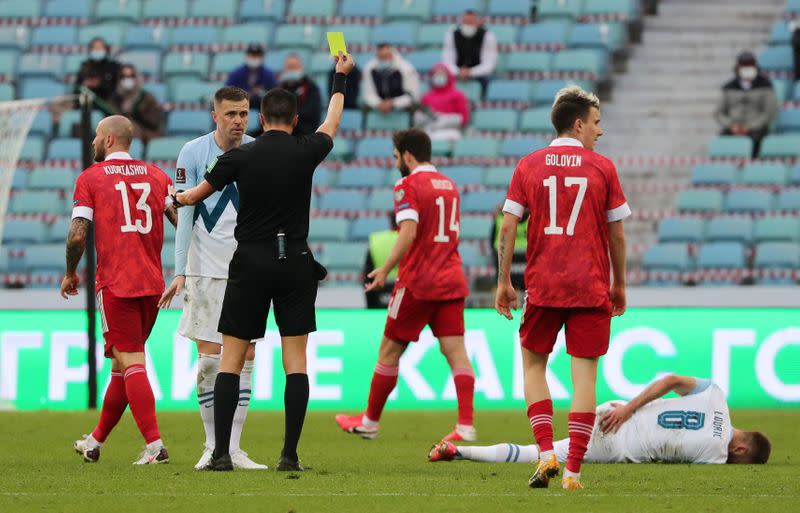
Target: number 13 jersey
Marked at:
125, 199
431, 268
572, 194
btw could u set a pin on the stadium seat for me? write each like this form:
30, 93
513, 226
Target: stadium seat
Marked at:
8, 63
792, 8
191, 123
475, 228
36, 202
681, 229
323, 177
147, 62
24, 231
225, 62
54, 35
544, 91
214, 8
782, 90
42, 124
511, 8
441, 148
729, 228
64, 148
71, 118
539, 62
714, 174
624, 9
482, 201
399, 33
777, 228
381, 199
609, 36
246, 33
159, 9
16, 38
165, 148
468, 147
51, 178
388, 121
777, 255
667, 257
342, 149
471, 255
464, 175
594, 62
794, 175
505, 34
407, 10
191, 91
59, 229
551, 33
789, 199
364, 226
795, 90
137, 149
20, 9
113, 33
42, 65
748, 200
340, 199
20, 179
730, 146
454, 8
323, 229
781, 145
259, 10
32, 149
472, 90
148, 37
423, 61
361, 9
131, 10
431, 35
45, 257
158, 90
186, 64
298, 36
356, 35
775, 58
274, 60
788, 120
375, 147
721, 255
519, 147
495, 120
344, 256
194, 35
536, 120
351, 120
508, 90
700, 200
499, 176
313, 8
764, 173
362, 177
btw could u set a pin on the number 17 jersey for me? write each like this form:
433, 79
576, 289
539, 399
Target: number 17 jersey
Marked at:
572, 194
125, 199
431, 268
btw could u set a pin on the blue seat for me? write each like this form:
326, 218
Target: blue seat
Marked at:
730, 146
312, 8
431, 35
508, 90
190, 91
714, 174
6, 92
533, 62
258, 10
789, 199
481, 147
71, 118
186, 64
700, 200
362, 177
564, 9
776, 58
388, 121
344, 256
748, 200
498, 176
423, 61
158, 9
158, 90
792, 7
51, 178
623, 9
364, 226
471, 255
14, 38
788, 120
225, 62
360, 8
323, 177
147, 62
42, 124
670, 256
782, 90
274, 60
399, 33
214, 8
165, 148
54, 35
64, 148
24, 231
17, 9
340, 199
192, 123
45, 257
509, 8
544, 91
455, 7
130, 10
721, 255
495, 120
342, 149
407, 10
593, 62
475, 228
194, 35
518, 147
112, 32
550, 33
36, 202
780, 145
765, 173
464, 175
482, 201
505, 34
777, 255
60, 228
536, 120
32, 148
137, 150
298, 36
381, 199
8, 62
328, 229
42, 65
681, 229
20, 179
246, 33
609, 36
777, 228
375, 147
732, 229
149, 37
351, 120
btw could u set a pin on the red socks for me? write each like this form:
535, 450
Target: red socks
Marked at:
580, 432
383, 382
541, 416
114, 404
143, 404
465, 391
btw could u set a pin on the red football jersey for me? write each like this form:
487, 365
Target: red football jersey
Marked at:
572, 194
432, 266
125, 199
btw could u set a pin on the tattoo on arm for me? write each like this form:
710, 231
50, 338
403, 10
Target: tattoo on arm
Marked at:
76, 242
172, 214
501, 255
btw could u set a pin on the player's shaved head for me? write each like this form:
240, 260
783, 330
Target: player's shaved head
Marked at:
749, 447
114, 133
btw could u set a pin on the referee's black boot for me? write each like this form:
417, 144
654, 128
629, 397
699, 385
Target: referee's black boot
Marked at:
287, 465
221, 464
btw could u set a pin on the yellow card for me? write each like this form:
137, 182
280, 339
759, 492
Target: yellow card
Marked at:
336, 43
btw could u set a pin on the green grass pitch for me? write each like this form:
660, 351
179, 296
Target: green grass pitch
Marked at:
40, 471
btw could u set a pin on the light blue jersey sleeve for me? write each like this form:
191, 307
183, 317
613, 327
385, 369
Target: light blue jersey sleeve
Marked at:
187, 164
701, 385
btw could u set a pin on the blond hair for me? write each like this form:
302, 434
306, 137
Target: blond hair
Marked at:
571, 103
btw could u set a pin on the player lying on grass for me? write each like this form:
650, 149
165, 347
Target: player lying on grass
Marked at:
692, 428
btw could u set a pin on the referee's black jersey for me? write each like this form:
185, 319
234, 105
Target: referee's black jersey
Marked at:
273, 175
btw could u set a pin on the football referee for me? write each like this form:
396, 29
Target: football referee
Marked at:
272, 262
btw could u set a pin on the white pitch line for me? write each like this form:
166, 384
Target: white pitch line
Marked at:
399, 494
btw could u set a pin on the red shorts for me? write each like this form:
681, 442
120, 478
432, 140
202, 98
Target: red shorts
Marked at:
587, 329
408, 316
126, 321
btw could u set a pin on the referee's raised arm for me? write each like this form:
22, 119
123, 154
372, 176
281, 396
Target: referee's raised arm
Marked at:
344, 65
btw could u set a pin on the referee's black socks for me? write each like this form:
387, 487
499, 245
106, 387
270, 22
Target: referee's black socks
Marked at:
295, 402
226, 397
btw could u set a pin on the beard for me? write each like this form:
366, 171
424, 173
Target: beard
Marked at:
99, 153
404, 169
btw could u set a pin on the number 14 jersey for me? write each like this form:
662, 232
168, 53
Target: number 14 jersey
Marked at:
125, 199
572, 194
431, 268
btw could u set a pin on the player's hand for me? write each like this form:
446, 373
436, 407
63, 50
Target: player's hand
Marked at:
344, 63
612, 420
378, 277
618, 301
505, 300
175, 288
69, 285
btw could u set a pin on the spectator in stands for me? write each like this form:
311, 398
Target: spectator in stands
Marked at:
444, 109
100, 74
794, 28
748, 104
309, 105
136, 104
353, 92
390, 82
253, 76
378, 251
470, 50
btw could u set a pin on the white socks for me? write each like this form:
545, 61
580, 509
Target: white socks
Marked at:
545, 455
575, 475
91, 443
245, 386
500, 453
207, 369
368, 422
155, 445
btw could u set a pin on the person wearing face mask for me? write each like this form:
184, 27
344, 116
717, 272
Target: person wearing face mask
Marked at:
253, 76
748, 104
390, 82
136, 104
309, 104
445, 109
100, 74
470, 50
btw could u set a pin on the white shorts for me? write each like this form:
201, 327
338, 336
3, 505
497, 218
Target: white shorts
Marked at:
202, 304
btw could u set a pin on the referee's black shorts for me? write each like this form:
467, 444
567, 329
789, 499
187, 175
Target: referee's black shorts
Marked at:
255, 278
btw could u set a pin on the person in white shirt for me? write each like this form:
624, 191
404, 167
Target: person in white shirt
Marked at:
470, 50
692, 428
390, 82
